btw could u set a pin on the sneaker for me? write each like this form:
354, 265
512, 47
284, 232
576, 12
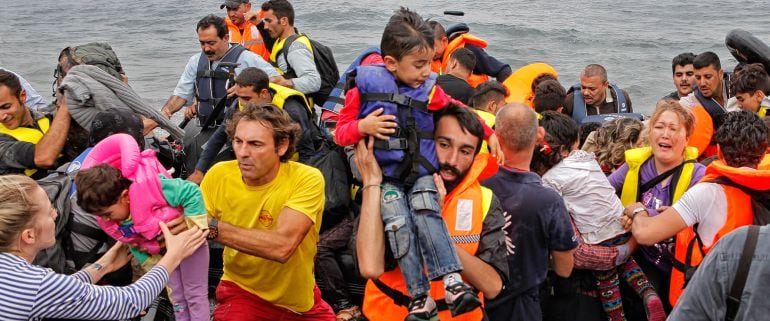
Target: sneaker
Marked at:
460, 298
654, 308
422, 309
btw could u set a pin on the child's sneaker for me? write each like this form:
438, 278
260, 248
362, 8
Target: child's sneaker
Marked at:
422, 309
654, 307
460, 298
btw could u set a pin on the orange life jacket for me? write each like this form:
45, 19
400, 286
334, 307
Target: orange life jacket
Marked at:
701, 137
465, 231
439, 66
250, 38
689, 251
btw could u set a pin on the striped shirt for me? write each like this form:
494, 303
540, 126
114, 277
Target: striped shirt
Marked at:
31, 292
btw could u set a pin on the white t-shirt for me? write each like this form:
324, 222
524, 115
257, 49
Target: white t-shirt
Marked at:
705, 204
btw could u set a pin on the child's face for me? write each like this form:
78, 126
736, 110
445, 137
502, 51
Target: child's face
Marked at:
750, 101
413, 69
119, 211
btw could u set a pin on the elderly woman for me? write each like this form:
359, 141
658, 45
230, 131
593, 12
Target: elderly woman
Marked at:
713, 207
656, 176
32, 292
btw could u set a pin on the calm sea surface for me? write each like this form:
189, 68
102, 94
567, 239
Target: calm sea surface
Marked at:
635, 41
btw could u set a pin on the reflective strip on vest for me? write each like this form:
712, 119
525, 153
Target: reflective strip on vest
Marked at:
29, 135
249, 38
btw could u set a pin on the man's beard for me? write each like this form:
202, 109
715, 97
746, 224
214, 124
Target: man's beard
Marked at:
458, 176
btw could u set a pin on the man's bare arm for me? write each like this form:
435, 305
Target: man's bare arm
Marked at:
277, 245
49, 147
480, 274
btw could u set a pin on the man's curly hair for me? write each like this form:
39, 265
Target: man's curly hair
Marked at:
742, 139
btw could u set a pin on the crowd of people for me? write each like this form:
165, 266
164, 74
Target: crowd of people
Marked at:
421, 180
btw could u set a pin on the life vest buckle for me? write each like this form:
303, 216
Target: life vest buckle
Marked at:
392, 144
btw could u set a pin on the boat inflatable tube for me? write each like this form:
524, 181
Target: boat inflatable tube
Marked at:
457, 29
747, 48
519, 83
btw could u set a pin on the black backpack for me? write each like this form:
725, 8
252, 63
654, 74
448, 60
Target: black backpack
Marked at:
58, 186
324, 61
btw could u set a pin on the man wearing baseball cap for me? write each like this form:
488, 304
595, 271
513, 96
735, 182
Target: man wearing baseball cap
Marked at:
243, 26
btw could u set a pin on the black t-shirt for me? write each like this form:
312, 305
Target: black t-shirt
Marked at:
456, 88
539, 224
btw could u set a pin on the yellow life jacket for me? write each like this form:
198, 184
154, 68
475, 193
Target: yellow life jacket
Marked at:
489, 119
762, 112
29, 135
278, 50
281, 94
637, 156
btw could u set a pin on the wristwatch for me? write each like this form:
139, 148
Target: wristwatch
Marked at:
637, 211
213, 229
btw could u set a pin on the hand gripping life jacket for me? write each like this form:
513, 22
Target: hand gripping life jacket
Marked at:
464, 211
211, 84
708, 116
459, 41
148, 205
29, 135
690, 250
336, 99
250, 39
410, 153
579, 110
680, 179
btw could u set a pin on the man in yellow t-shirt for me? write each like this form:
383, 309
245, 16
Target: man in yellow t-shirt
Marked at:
266, 211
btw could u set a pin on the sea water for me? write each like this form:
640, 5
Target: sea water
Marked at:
634, 40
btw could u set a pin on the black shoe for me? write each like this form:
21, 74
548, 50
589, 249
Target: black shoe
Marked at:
422, 309
461, 299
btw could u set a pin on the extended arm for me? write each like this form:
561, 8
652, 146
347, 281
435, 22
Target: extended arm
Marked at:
488, 65
49, 147
307, 80
370, 240
277, 245
650, 230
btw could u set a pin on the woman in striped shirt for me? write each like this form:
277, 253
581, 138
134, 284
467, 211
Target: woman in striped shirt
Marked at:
31, 292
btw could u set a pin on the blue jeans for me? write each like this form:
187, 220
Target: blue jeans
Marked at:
416, 231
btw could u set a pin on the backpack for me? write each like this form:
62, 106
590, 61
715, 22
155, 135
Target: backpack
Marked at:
324, 62
96, 54
58, 186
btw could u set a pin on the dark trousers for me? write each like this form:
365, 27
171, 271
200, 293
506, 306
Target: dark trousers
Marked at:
328, 273
194, 138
